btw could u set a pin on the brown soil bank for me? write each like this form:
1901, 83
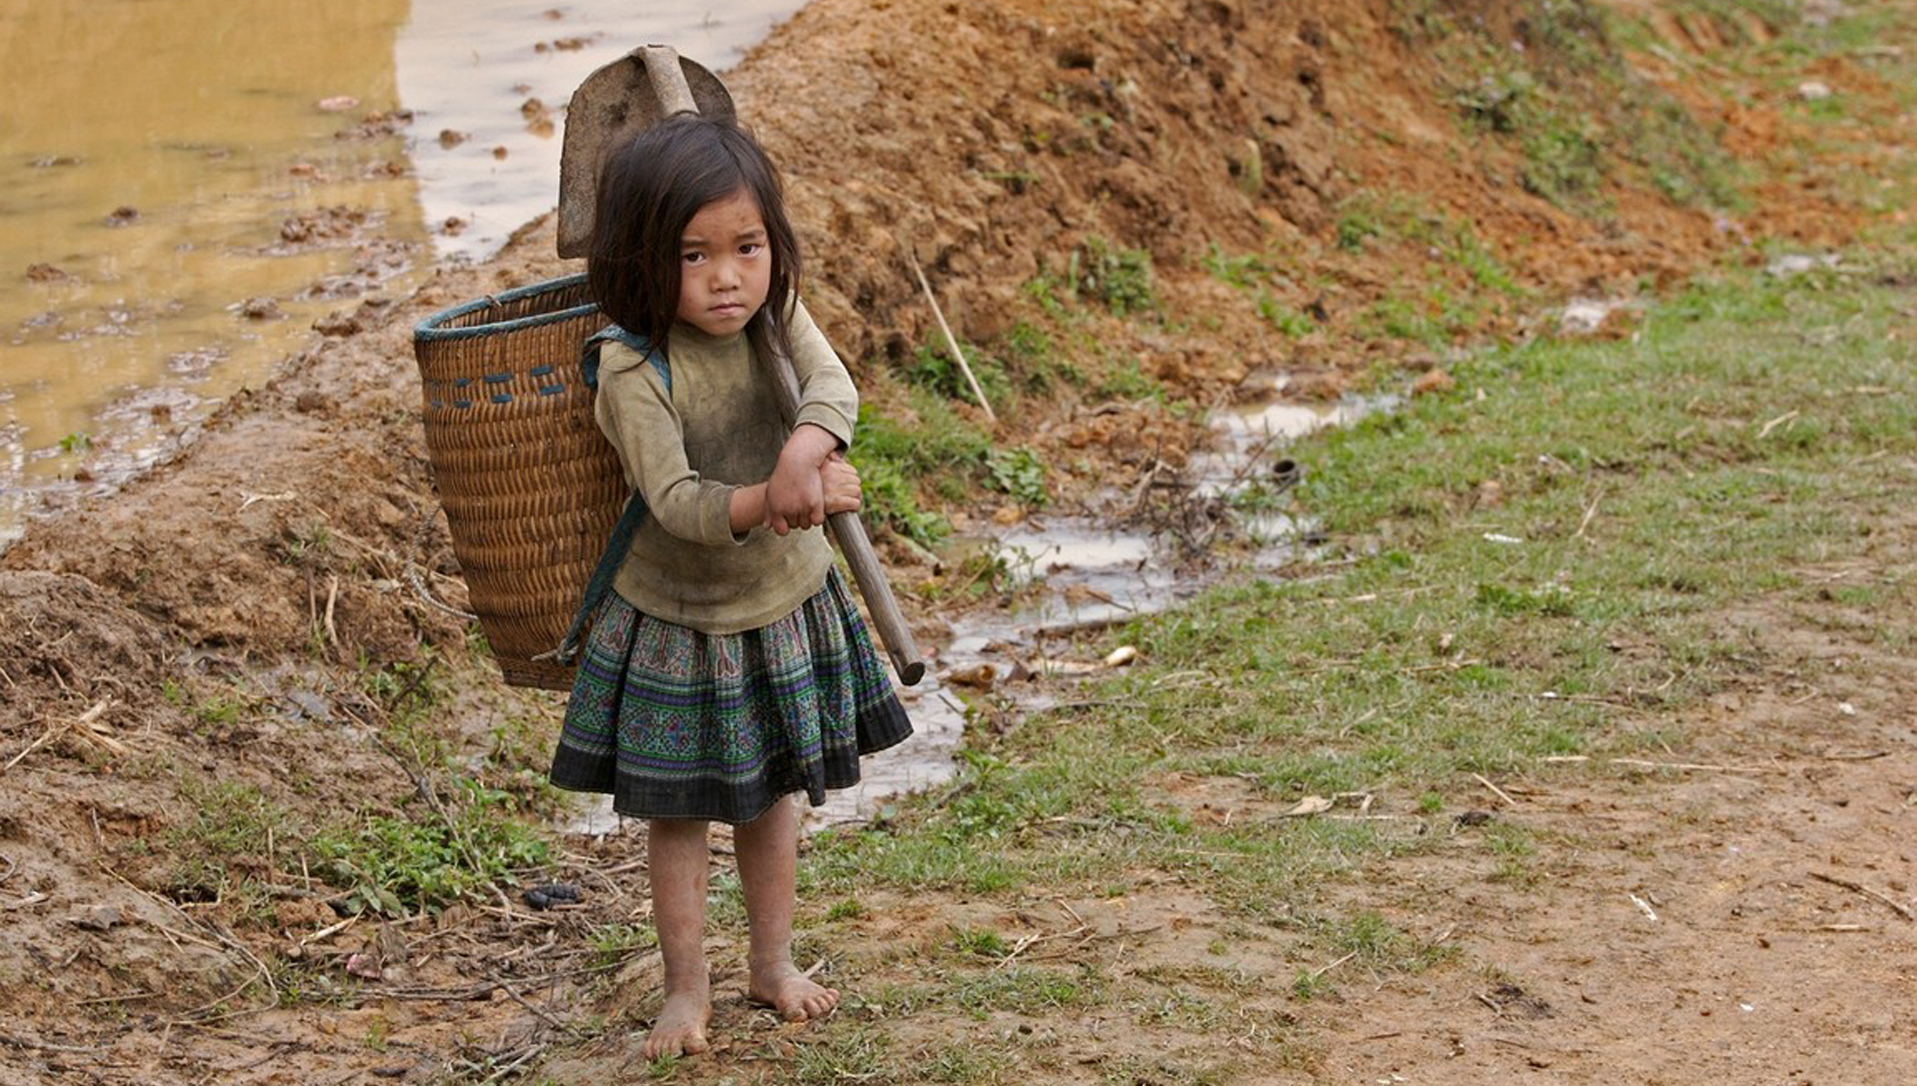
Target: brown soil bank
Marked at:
1314, 188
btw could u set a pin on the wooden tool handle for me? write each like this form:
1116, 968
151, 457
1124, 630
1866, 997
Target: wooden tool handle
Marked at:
668, 80
849, 531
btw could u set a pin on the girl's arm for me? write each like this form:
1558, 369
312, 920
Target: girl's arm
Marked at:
795, 495
828, 407
838, 487
635, 411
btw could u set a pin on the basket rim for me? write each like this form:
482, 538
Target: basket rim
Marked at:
431, 329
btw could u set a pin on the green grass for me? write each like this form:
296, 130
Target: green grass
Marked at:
1651, 486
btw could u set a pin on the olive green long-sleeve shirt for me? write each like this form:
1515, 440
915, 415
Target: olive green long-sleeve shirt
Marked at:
686, 451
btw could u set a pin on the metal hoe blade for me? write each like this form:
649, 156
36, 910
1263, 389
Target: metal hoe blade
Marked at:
636, 91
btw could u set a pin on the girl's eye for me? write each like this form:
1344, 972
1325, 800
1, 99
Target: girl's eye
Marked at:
751, 248
692, 257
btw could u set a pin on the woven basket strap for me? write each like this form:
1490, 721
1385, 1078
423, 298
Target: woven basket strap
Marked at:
614, 555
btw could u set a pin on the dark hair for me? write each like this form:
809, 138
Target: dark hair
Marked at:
650, 187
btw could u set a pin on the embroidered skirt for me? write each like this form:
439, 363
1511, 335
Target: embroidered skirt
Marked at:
675, 723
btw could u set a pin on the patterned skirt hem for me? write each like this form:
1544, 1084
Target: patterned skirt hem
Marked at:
675, 723
884, 725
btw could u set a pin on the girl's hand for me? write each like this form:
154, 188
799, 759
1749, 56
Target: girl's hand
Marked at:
795, 495
840, 480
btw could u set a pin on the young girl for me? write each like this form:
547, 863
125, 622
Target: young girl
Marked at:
729, 668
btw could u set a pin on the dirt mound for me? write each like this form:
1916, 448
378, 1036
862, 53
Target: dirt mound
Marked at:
67, 641
1186, 129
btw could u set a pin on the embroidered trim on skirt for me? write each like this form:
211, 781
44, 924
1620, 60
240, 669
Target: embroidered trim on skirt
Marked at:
676, 723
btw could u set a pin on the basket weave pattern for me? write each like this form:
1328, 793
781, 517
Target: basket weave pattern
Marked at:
530, 486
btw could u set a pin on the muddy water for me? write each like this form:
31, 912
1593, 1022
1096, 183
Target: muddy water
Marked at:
151, 155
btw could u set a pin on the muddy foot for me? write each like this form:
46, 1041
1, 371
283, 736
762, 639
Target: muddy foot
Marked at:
791, 993
681, 1027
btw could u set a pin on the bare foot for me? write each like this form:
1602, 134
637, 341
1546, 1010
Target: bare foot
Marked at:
793, 994
681, 1027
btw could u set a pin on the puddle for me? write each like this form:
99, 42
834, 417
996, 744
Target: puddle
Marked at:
146, 218
1083, 574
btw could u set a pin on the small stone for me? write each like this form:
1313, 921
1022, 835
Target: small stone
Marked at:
261, 309
1433, 380
98, 918
550, 894
338, 325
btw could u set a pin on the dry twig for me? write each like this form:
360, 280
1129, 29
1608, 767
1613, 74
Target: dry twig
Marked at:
1589, 512
1495, 790
1640, 763
87, 726
1903, 910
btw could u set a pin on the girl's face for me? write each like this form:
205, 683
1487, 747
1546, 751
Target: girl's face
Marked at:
725, 265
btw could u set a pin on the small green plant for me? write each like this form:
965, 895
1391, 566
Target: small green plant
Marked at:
1119, 279
78, 441
1355, 227
1020, 474
1032, 357
933, 368
220, 851
1554, 600
1287, 320
1129, 381
891, 500
849, 909
1308, 985
308, 544
614, 943
980, 943
463, 844
1497, 101
399, 685
1245, 270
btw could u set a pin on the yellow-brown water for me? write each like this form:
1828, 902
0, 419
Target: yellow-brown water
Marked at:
187, 185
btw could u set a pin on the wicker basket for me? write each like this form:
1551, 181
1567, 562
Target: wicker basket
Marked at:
531, 487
